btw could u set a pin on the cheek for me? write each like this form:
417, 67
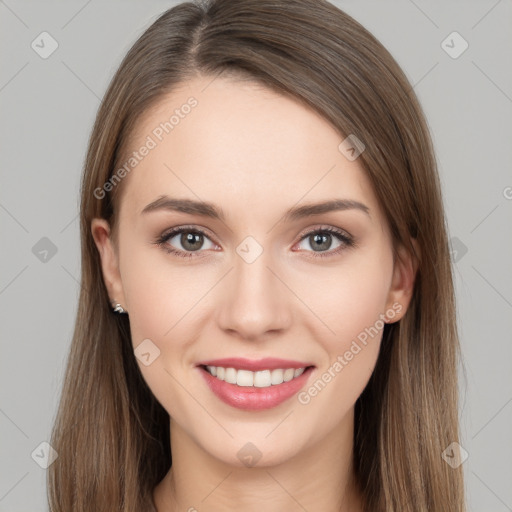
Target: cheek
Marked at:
355, 302
351, 304
158, 290
154, 294
351, 299
160, 302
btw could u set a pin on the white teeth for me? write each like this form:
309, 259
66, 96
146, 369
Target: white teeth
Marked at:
288, 374
259, 379
277, 376
262, 379
244, 378
230, 375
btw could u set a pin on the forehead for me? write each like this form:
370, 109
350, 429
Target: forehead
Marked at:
237, 143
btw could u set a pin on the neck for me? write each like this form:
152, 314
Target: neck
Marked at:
320, 478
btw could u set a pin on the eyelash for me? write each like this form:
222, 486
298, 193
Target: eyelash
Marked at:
342, 236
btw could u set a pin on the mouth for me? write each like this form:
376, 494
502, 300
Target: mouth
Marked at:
255, 385
259, 379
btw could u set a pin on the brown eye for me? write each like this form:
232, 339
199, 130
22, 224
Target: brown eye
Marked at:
191, 241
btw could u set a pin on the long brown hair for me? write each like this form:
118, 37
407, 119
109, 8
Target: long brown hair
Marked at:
110, 433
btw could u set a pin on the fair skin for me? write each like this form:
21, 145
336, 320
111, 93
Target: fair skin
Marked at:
254, 154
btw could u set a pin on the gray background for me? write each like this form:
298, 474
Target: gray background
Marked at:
48, 107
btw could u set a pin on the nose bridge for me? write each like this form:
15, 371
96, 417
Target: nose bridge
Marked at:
253, 300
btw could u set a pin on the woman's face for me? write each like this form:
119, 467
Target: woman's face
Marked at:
267, 289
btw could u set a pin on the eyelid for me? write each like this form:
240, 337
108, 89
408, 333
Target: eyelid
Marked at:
323, 227
193, 228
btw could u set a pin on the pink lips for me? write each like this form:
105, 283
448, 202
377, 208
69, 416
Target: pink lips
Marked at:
253, 398
269, 363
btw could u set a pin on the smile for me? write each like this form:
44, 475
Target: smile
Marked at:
260, 379
255, 385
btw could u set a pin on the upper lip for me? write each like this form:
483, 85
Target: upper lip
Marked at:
254, 365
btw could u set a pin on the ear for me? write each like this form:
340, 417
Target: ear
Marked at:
402, 283
101, 233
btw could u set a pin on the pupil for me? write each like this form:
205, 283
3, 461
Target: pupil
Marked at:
321, 241
189, 241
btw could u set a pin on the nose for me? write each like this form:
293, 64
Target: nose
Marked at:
253, 301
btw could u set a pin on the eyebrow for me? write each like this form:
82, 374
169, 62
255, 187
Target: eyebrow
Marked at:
207, 209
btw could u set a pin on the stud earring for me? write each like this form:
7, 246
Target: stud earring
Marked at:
117, 308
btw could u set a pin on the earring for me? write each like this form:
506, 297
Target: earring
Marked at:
117, 308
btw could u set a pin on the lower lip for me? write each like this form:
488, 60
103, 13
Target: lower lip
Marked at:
252, 398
